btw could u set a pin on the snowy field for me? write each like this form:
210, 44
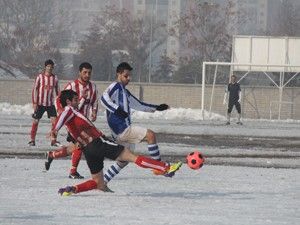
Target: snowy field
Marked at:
212, 195
246, 193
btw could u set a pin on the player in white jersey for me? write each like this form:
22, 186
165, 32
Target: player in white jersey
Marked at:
45, 86
88, 106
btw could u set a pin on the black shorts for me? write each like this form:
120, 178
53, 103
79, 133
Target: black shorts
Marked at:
39, 112
237, 106
97, 150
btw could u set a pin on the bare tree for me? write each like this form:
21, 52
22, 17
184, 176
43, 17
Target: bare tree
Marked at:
205, 33
116, 30
165, 69
29, 34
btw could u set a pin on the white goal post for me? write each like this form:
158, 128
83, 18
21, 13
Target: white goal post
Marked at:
263, 55
279, 68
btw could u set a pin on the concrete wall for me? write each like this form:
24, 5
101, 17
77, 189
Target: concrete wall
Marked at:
255, 102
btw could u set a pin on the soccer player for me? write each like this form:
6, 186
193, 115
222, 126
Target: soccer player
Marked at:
88, 106
96, 147
45, 86
118, 102
235, 97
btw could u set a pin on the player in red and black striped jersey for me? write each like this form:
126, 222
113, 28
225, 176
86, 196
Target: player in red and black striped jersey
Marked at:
96, 147
88, 106
43, 92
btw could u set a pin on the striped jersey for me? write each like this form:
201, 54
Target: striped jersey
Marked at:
90, 102
116, 95
44, 88
77, 125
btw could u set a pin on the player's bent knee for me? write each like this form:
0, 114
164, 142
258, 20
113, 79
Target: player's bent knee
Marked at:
71, 147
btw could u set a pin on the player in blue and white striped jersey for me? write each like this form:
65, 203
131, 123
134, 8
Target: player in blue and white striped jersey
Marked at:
118, 102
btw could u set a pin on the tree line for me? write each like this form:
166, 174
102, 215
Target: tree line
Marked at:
33, 30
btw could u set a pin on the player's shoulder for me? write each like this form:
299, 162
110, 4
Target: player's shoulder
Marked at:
54, 76
39, 75
68, 108
70, 84
114, 85
93, 83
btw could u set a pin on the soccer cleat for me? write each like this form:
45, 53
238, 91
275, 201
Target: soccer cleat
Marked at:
227, 123
48, 161
239, 123
31, 143
67, 191
173, 168
107, 189
157, 172
56, 144
75, 175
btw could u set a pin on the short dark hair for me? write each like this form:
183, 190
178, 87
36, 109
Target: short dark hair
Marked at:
66, 95
123, 66
85, 65
49, 62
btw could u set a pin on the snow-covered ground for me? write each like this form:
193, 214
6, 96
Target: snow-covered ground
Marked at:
215, 194
212, 195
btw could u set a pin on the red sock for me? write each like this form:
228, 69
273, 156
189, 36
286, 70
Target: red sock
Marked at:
76, 156
59, 153
86, 186
33, 131
53, 139
146, 162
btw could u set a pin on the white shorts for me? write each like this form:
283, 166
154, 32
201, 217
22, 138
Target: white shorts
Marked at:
132, 135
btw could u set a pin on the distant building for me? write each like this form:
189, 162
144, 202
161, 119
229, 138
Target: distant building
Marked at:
161, 11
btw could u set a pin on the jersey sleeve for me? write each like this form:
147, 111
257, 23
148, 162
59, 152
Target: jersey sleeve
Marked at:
136, 104
63, 118
81, 103
106, 100
57, 89
35, 89
94, 102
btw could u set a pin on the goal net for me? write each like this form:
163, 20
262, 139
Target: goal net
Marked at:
267, 68
265, 95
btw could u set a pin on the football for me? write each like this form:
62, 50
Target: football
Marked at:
195, 160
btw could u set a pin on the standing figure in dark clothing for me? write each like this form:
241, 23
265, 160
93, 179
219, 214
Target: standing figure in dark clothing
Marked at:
234, 99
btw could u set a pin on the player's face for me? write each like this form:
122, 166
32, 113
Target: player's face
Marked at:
124, 77
233, 79
75, 102
49, 68
85, 74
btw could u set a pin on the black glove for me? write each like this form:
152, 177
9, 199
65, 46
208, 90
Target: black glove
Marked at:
162, 107
120, 112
